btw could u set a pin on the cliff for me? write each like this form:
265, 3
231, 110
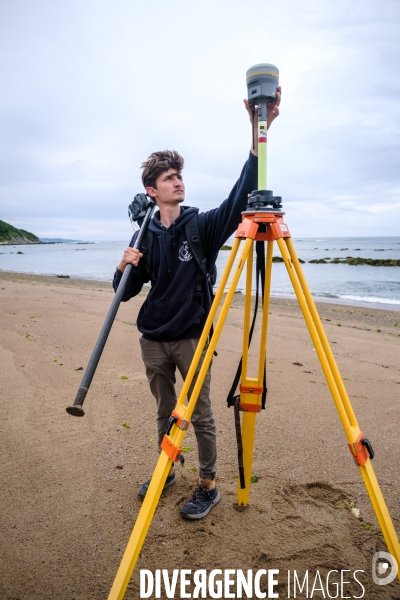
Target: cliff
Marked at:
11, 235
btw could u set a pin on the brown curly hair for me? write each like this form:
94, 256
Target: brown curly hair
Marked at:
157, 163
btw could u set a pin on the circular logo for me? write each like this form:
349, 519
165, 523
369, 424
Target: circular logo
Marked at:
385, 564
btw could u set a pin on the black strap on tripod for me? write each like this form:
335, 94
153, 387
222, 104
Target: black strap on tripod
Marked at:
232, 399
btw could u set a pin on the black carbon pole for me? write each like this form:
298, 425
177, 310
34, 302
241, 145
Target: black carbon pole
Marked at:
76, 409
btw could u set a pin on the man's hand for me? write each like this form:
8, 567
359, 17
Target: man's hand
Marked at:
273, 107
272, 113
130, 256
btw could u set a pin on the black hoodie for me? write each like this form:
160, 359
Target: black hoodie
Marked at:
171, 310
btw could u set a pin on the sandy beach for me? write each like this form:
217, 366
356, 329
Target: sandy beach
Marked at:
69, 486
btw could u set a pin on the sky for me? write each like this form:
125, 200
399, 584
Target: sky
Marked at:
91, 87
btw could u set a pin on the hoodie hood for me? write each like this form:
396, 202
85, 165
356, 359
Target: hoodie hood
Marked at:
170, 238
157, 227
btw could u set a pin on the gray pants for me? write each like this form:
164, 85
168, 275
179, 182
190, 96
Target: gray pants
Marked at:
161, 360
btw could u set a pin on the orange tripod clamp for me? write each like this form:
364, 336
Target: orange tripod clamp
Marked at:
361, 450
250, 389
256, 408
176, 419
171, 450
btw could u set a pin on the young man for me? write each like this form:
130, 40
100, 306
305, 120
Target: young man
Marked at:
173, 315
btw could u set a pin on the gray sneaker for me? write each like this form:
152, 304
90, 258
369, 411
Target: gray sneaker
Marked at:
171, 479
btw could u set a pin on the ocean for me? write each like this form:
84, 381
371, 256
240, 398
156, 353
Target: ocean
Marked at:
362, 285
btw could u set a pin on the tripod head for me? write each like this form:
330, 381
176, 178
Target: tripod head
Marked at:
264, 200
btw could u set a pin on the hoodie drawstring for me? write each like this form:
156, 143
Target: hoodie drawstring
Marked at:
173, 235
165, 247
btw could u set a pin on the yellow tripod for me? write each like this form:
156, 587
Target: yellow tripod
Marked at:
252, 387
267, 225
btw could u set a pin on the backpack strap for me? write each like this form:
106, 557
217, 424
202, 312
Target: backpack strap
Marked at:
196, 246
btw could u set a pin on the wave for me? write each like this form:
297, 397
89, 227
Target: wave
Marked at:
326, 295
370, 299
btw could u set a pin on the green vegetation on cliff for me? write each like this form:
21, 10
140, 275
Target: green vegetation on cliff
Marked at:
11, 235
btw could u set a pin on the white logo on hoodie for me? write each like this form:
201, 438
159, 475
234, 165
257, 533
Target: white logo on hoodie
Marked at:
184, 252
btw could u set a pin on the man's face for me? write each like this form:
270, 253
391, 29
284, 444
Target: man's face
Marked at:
169, 189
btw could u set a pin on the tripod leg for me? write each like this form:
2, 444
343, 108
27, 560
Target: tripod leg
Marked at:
141, 528
267, 296
247, 311
339, 394
322, 336
176, 436
253, 397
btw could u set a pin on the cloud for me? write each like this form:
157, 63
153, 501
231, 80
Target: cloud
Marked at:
92, 88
